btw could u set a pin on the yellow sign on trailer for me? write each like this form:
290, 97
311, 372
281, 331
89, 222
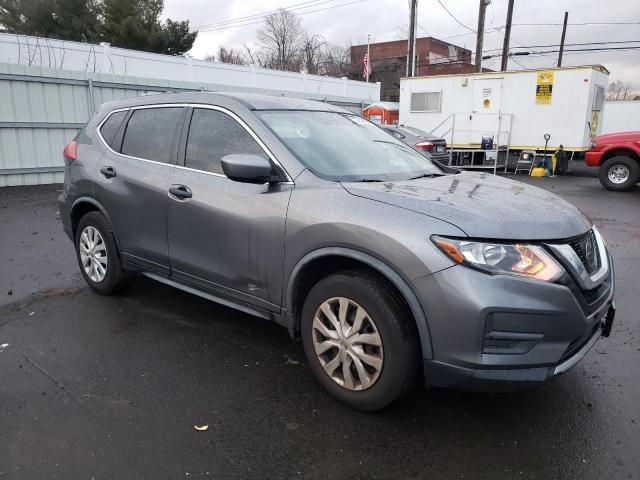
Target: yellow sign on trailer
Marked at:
544, 87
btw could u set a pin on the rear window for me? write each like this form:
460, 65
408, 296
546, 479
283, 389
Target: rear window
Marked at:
110, 127
150, 133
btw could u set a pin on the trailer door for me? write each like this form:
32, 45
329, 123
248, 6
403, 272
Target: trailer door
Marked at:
487, 94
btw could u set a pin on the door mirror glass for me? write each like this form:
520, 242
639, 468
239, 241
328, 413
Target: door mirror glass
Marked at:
246, 168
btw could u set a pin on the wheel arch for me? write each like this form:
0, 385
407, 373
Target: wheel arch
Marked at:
84, 205
622, 152
325, 261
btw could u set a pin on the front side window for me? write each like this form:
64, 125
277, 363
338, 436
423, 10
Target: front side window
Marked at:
214, 134
343, 147
150, 133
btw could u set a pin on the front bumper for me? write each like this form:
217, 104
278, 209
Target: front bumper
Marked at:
497, 333
592, 158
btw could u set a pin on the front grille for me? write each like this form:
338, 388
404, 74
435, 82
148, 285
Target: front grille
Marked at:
586, 247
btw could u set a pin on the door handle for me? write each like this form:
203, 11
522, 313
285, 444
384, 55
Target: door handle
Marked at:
108, 172
180, 192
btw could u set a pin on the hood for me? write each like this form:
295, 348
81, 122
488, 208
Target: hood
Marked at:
618, 137
483, 205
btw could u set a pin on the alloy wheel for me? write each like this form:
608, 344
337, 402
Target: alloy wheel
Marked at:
93, 254
347, 343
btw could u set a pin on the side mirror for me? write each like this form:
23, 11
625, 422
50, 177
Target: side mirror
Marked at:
246, 168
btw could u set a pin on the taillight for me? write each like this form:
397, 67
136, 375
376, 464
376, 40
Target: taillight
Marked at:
424, 145
70, 152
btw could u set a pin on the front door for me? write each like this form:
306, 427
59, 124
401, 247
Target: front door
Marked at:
226, 236
132, 182
485, 117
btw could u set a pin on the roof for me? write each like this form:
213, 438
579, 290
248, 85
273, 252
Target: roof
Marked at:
251, 101
384, 105
599, 68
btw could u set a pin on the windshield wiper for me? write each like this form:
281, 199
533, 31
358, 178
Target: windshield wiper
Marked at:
427, 175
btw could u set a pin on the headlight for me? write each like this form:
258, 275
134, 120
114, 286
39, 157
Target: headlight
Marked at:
530, 261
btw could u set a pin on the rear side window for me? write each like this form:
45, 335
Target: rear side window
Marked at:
214, 134
150, 133
110, 127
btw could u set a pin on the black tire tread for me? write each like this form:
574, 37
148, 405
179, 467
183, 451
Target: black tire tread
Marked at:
634, 170
407, 356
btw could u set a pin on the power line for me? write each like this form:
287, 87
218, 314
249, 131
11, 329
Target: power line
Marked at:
295, 6
569, 44
574, 24
260, 20
454, 17
585, 50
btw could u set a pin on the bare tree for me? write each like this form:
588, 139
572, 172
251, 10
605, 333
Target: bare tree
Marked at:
336, 60
312, 53
280, 40
619, 91
227, 55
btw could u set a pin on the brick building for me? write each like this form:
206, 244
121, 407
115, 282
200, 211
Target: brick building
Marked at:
389, 60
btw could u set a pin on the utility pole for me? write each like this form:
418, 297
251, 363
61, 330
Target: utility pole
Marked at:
368, 56
564, 32
480, 37
411, 54
507, 36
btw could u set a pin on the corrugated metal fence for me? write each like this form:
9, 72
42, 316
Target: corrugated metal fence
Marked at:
41, 109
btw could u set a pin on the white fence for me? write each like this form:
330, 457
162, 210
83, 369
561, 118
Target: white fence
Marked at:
91, 58
49, 89
41, 109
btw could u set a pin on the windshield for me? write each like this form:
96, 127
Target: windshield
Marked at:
345, 147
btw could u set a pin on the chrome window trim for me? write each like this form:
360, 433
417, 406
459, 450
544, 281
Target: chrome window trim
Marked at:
194, 105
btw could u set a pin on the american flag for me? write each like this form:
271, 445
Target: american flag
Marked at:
367, 66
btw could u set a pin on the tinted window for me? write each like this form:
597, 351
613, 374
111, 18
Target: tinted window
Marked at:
212, 135
150, 133
110, 127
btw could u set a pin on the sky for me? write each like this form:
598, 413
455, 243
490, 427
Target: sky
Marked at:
350, 21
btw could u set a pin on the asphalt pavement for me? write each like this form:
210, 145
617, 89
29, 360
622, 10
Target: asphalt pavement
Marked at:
112, 387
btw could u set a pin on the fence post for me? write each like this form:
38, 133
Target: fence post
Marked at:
92, 103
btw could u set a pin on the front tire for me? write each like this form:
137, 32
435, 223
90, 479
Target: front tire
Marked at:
359, 340
98, 256
619, 173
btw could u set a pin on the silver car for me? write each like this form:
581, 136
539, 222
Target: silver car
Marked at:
389, 269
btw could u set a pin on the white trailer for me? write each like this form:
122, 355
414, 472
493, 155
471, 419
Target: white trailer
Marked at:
516, 108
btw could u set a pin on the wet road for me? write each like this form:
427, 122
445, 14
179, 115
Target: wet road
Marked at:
110, 387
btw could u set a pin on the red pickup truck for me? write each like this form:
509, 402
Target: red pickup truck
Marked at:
618, 156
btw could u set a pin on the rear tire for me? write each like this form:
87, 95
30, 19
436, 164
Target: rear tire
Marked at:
98, 256
619, 173
376, 358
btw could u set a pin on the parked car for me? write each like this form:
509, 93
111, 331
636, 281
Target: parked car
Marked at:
388, 268
427, 144
618, 156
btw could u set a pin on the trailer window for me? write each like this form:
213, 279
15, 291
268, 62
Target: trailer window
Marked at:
426, 101
598, 99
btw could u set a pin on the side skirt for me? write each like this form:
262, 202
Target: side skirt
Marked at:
257, 312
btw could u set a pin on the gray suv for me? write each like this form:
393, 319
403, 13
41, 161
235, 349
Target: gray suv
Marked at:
388, 268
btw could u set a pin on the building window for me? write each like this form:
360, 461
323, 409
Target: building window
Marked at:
426, 101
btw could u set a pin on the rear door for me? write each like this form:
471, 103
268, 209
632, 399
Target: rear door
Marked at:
227, 236
132, 183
